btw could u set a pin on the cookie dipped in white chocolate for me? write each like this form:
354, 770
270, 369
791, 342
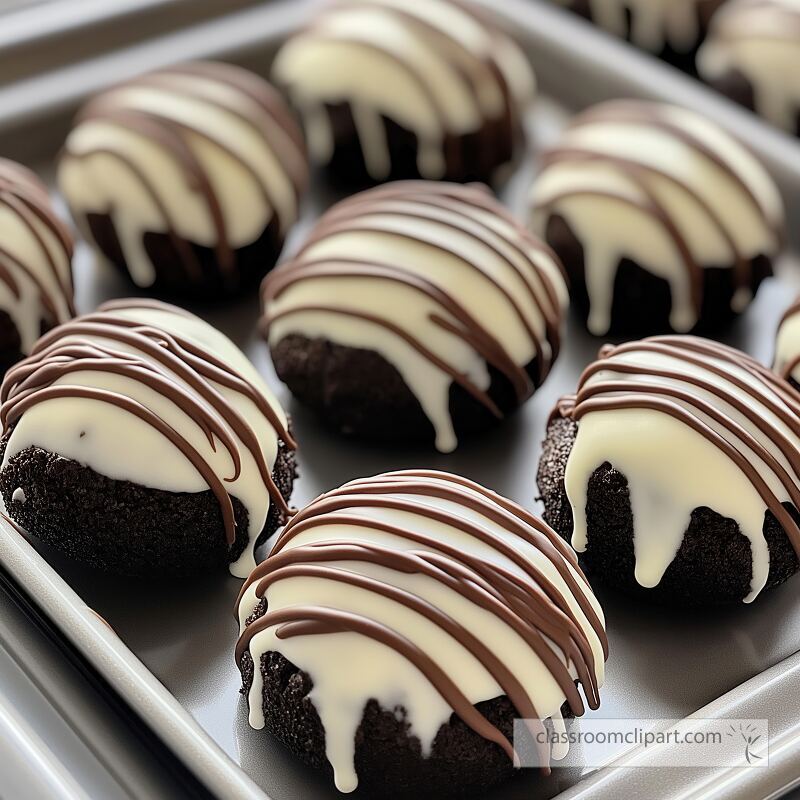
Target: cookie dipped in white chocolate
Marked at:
787, 345
690, 424
668, 190
189, 178
423, 590
35, 262
144, 392
758, 41
436, 278
378, 81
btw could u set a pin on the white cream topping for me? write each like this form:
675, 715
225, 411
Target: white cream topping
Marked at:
787, 347
671, 468
348, 669
477, 258
142, 182
760, 40
432, 68
121, 446
610, 170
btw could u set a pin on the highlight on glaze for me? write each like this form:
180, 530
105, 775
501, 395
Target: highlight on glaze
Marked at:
690, 423
665, 188
146, 392
426, 586
437, 69
35, 256
758, 40
439, 280
206, 154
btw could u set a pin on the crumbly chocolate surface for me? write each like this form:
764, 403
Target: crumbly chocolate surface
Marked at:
643, 301
123, 527
357, 392
388, 758
713, 565
252, 262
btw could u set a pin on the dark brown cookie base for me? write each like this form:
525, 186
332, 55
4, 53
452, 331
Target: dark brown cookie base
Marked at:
175, 280
713, 565
642, 301
472, 157
358, 393
388, 758
122, 527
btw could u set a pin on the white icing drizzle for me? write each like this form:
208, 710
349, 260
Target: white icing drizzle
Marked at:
369, 529
116, 443
204, 152
35, 256
760, 39
434, 68
663, 187
714, 405
787, 345
654, 23
18, 495
441, 244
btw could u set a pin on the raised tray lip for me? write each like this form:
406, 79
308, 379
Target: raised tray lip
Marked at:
558, 35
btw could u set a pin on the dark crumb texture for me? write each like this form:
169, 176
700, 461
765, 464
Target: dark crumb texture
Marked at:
388, 759
713, 565
642, 301
175, 280
357, 392
122, 527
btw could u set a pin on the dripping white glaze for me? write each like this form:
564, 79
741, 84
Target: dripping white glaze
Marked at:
121, 446
433, 68
348, 669
787, 345
760, 39
614, 163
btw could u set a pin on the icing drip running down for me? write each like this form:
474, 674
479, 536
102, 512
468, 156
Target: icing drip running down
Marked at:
205, 153
654, 24
760, 40
146, 392
439, 280
425, 590
35, 256
668, 190
787, 345
690, 423
435, 69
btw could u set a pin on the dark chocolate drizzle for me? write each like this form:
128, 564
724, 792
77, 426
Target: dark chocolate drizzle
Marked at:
26, 197
684, 400
88, 343
272, 121
531, 606
463, 205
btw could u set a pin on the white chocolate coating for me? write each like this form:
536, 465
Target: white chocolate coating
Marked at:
417, 514
35, 256
673, 468
466, 250
206, 153
787, 345
654, 23
434, 68
760, 39
665, 188
119, 445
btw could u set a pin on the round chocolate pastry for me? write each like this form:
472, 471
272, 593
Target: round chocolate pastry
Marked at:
417, 310
675, 471
390, 89
752, 54
402, 622
671, 29
663, 221
187, 179
35, 264
787, 346
139, 439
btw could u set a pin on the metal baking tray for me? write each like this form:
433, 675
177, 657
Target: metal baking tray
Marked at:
169, 648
